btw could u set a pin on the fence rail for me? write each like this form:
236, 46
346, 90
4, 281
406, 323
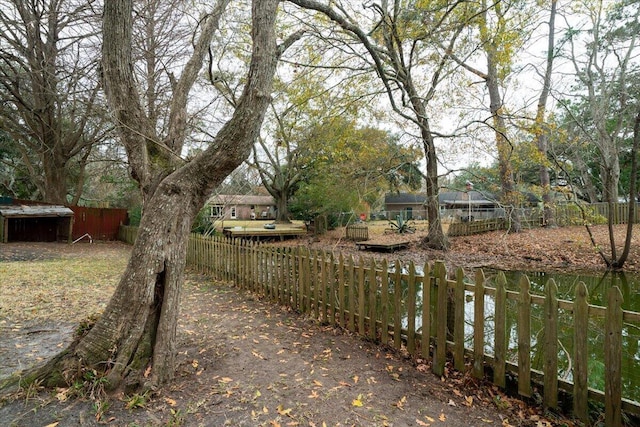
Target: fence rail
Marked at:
433, 316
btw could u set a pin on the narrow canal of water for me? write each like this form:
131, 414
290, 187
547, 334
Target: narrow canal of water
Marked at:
597, 287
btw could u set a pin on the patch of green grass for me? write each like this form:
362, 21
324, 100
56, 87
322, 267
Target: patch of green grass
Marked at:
137, 400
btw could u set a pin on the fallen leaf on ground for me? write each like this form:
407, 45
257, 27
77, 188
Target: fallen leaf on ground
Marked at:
358, 401
283, 411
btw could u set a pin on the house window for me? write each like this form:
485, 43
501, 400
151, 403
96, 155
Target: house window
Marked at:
233, 212
217, 211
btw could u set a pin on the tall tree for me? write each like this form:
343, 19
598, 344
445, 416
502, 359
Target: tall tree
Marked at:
135, 338
48, 82
501, 31
602, 48
540, 129
604, 111
401, 47
371, 160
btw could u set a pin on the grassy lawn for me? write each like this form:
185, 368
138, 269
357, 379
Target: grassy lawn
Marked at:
60, 289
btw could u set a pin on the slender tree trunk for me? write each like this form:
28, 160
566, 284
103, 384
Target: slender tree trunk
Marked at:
435, 239
542, 136
633, 183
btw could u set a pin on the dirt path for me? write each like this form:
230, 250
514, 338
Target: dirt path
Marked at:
243, 362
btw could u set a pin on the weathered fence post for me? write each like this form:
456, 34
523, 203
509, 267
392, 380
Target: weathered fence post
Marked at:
361, 296
613, 359
524, 338
384, 302
397, 306
580, 353
426, 312
458, 328
550, 398
500, 339
441, 320
411, 310
373, 293
332, 290
352, 286
478, 329
341, 292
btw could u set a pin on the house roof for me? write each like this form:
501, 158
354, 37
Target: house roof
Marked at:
240, 199
404, 199
31, 211
465, 198
449, 198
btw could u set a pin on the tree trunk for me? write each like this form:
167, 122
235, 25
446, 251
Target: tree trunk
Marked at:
282, 214
510, 198
134, 341
542, 135
55, 177
435, 239
633, 183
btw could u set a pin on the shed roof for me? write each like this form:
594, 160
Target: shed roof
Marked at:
32, 211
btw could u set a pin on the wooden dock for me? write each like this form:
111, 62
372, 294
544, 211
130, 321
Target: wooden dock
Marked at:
257, 233
372, 245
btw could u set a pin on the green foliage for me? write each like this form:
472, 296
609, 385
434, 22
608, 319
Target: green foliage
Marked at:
135, 214
370, 160
14, 178
137, 400
402, 226
202, 223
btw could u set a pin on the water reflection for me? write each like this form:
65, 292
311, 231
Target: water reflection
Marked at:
597, 286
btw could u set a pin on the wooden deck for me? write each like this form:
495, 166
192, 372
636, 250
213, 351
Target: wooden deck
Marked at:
372, 245
257, 233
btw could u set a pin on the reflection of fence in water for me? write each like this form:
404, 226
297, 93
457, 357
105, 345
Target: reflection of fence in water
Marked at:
538, 337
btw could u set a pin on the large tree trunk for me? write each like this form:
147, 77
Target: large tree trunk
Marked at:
134, 341
282, 214
510, 198
54, 166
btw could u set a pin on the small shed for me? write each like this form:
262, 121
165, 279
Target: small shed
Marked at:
35, 223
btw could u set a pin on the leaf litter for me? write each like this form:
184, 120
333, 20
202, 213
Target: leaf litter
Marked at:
243, 361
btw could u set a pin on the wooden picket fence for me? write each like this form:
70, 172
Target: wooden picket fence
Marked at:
382, 302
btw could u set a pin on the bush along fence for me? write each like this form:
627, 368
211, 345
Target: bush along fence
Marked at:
547, 345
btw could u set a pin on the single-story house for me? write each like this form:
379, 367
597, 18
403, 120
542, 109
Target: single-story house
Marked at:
470, 205
35, 223
460, 204
228, 206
